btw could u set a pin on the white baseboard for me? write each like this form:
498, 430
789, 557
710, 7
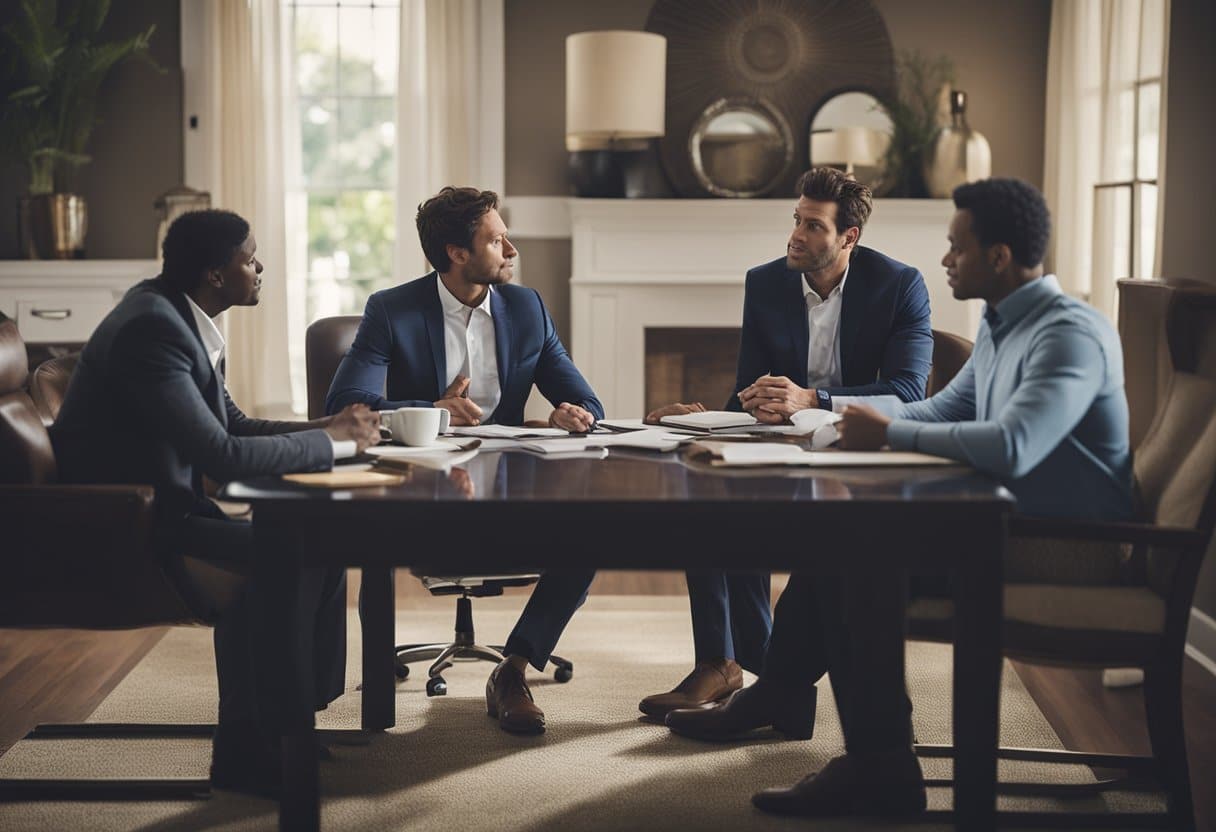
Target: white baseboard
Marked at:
1201, 640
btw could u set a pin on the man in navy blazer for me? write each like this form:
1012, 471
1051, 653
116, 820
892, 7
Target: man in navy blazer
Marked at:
147, 404
464, 339
830, 319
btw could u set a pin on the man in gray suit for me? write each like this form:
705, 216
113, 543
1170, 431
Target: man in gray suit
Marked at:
147, 404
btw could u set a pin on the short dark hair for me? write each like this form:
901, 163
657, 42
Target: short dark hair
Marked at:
199, 241
450, 218
1007, 211
853, 199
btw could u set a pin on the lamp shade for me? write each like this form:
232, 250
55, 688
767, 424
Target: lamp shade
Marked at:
847, 146
615, 85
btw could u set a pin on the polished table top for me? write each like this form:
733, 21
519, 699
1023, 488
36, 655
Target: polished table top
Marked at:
607, 505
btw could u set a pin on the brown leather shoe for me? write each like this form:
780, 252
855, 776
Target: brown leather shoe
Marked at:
887, 784
510, 702
758, 706
708, 683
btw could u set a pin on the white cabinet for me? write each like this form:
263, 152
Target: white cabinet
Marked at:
62, 301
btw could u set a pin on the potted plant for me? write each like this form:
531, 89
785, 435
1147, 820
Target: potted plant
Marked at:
916, 114
51, 67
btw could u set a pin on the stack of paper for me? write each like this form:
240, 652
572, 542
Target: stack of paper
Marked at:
771, 453
507, 432
710, 420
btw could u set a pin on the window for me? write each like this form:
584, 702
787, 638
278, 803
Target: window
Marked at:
341, 164
1125, 198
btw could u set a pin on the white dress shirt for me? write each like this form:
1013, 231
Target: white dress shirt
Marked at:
823, 322
214, 344
472, 351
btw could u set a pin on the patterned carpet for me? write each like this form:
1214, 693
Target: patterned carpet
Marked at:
447, 766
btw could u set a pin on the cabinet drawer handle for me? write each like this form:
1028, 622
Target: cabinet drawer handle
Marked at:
52, 314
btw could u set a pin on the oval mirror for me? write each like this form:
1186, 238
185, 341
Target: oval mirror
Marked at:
851, 131
740, 148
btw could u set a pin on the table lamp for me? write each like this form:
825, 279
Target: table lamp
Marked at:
846, 146
615, 87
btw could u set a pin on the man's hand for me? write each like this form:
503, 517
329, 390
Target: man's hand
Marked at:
571, 417
357, 422
862, 428
774, 399
455, 400
677, 409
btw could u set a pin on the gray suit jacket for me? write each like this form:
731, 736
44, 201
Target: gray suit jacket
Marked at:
145, 406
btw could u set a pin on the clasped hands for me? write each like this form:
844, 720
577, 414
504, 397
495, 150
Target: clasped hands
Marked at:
465, 411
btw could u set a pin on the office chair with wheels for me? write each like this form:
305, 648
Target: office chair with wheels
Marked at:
325, 343
1101, 595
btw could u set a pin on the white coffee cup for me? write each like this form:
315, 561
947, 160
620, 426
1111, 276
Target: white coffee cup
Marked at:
416, 425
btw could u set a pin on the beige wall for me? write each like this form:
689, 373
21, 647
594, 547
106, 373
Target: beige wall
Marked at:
999, 52
137, 149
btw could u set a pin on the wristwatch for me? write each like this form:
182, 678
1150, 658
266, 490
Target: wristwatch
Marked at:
825, 400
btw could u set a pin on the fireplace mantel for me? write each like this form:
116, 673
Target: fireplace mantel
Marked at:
681, 263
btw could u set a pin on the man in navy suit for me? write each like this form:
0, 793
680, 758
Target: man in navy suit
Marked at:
464, 339
831, 319
147, 404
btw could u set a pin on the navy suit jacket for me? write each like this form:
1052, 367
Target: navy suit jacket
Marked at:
399, 349
885, 342
145, 406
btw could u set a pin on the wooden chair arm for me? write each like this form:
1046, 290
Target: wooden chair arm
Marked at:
1173, 537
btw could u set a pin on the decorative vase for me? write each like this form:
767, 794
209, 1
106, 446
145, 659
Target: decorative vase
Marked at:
957, 153
53, 226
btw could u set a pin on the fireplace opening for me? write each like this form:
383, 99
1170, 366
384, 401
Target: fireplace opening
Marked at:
690, 364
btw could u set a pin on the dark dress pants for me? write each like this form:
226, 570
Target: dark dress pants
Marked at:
731, 615
554, 599
852, 628
280, 647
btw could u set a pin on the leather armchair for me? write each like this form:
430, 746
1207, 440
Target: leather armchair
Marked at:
49, 384
82, 556
950, 353
325, 343
1099, 595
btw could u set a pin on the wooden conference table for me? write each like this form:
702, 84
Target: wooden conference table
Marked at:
513, 510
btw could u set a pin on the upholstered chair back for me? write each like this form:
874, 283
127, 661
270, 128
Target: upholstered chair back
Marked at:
49, 385
1175, 464
325, 344
950, 353
25, 448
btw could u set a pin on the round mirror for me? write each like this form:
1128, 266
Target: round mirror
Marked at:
851, 131
740, 148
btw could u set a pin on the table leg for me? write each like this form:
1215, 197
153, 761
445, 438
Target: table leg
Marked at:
379, 680
977, 679
300, 806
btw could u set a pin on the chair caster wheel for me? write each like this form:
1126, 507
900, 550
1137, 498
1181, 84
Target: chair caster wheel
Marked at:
401, 670
436, 686
563, 674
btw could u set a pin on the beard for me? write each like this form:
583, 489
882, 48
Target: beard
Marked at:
490, 276
809, 262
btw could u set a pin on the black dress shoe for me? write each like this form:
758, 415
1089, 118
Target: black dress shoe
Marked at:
244, 760
759, 705
877, 784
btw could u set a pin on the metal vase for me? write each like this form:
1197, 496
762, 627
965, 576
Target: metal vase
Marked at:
957, 154
53, 226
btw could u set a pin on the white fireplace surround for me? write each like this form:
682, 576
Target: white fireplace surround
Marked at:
681, 263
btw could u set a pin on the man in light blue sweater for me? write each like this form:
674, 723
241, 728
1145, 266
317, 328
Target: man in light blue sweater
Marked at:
1040, 405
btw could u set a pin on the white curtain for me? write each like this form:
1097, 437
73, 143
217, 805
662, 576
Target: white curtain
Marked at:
1094, 58
439, 118
243, 123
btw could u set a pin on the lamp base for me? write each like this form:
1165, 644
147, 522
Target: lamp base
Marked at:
596, 174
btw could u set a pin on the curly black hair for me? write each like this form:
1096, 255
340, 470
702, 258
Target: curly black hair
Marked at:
1008, 211
199, 241
451, 217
